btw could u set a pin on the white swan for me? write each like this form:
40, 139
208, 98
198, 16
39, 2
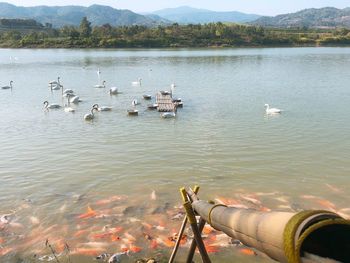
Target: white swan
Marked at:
54, 82
113, 90
66, 91
99, 86
8, 87
55, 85
272, 110
167, 115
69, 109
103, 108
136, 83
133, 111
51, 106
90, 116
135, 102
66, 95
72, 98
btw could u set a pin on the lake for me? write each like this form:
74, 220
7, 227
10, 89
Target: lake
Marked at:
54, 164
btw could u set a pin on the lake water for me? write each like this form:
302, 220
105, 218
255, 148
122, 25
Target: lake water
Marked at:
53, 164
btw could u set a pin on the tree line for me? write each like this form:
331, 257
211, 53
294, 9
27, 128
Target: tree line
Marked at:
175, 35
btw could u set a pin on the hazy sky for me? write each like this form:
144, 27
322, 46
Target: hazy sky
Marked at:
264, 7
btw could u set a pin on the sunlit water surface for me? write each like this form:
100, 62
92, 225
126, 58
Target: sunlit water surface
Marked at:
54, 164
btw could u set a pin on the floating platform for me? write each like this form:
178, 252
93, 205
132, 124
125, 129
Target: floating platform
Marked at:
165, 101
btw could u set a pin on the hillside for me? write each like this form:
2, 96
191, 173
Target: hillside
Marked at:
327, 17
59, 16
189, 15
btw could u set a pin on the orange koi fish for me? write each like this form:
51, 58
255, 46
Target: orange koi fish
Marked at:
146, 225
327, 204
333, 188
102, 235
154, 244
207, 229
4, 251
211, 249
109, 200
251, 199
116, 229
247, 251
90, 213
124, 248
131, 238
115, 238
166, 242
308, 196
264, 209
135, 249
87, 251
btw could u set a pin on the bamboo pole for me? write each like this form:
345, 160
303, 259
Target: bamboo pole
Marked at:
283, 236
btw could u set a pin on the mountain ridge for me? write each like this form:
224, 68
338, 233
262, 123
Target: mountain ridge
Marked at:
60, 16
326, 17
190, 15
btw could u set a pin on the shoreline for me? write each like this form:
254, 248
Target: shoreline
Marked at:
178, 47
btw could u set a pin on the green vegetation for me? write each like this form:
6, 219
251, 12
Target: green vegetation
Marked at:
208, 35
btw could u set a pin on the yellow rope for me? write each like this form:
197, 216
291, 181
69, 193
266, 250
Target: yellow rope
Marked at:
290, 230
211, 210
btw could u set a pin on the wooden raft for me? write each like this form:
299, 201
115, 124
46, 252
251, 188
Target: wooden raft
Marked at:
165, 102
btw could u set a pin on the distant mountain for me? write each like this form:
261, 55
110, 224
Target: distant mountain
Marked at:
159, 19
59, 16
315, 18
189, 15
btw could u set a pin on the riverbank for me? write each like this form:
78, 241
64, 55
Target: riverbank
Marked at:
174, 36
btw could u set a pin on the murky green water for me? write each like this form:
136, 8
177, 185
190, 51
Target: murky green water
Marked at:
54, 164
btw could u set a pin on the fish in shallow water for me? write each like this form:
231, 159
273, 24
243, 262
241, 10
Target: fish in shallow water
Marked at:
34, 220
87, 251
90, 213
5, 219
103, 256
247, 251
117, 258
334, 188
153, 195
110, 200
327, 204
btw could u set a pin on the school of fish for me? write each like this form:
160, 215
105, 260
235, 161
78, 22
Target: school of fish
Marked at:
117, 229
